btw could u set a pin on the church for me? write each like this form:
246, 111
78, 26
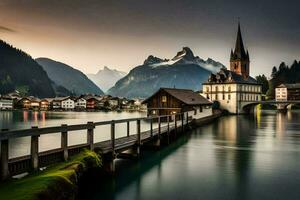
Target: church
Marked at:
234, 89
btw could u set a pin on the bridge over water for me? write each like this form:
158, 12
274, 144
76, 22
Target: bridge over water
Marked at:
249, 106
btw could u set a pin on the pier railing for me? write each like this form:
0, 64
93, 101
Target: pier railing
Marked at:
36, 160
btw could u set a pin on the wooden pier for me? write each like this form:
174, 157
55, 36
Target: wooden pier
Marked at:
110, 149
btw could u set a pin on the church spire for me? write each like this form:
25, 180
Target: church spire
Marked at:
239, 51
239, 58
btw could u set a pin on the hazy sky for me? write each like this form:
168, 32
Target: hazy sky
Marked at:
90, 34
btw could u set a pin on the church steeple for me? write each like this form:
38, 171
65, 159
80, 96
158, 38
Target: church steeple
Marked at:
239, 58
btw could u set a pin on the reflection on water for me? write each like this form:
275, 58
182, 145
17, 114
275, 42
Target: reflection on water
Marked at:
236, 157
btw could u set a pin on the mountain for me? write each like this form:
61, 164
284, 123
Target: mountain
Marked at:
106, 78
183, 71
19, 71
66, 76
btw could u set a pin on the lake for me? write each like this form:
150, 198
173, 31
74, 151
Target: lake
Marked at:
20, 119
236, 157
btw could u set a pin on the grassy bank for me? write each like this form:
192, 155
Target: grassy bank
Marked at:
59, 181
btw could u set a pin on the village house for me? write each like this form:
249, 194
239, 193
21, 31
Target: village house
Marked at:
6, 103
169, 101
55, 103
44, 104
285, 92
92, 103
235, 88
24, 103
34, 103
113, 102
68, 103
80, 103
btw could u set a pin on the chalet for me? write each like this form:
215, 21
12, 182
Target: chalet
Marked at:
167, 101
285, 92
45, 104
24, 103
55, 103
113, 102
68, 103
92, 103
80, 103
6, 103
34, 103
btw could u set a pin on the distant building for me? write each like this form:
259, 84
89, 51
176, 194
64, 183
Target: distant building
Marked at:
168, 101
80, 103
6, 103
285, 92
235, 88
34, 103
92, 103
68, 103
24, 103
44, 104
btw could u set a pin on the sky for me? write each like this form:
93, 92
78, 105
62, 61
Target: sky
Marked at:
121, 34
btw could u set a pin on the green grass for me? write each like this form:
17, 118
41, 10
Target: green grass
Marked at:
56, 182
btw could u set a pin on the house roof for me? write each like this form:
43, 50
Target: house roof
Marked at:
290, 86
227, 76
188, 97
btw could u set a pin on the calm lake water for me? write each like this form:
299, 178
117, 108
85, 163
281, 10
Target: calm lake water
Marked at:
236, 157
26, 119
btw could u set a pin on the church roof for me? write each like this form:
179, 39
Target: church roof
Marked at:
239, 51
227, 76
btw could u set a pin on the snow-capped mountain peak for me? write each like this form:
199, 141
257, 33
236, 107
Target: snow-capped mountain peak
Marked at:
185, 56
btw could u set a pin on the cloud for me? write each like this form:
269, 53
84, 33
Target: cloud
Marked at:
6, 29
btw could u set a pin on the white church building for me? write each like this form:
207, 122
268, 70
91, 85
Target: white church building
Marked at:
234, 89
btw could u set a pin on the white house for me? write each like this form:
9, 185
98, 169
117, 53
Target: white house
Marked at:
80, 103
285, 92
68, 103
234, 89
6, 103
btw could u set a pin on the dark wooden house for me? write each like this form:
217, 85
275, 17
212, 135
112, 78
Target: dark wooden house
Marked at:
167, 101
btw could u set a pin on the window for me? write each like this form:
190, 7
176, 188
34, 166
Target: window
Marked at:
207, 89
229, 89
207, 96
223, 96
164, 99
195, 111
216, 88
201, 109
216, 97
229, 97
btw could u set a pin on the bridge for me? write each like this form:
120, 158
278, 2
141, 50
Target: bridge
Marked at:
127, 146
249, 106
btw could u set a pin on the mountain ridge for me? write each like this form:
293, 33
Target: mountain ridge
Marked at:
106, 78
184, 71
68, 77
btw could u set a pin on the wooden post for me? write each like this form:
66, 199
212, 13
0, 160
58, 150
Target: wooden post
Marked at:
90, 135
128, 129
4, 159
182, 122
187, 119
138, 131
159, 127
34, 151
168, 130
112, 131
64, 141
151, 126
113, 154
175, 125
